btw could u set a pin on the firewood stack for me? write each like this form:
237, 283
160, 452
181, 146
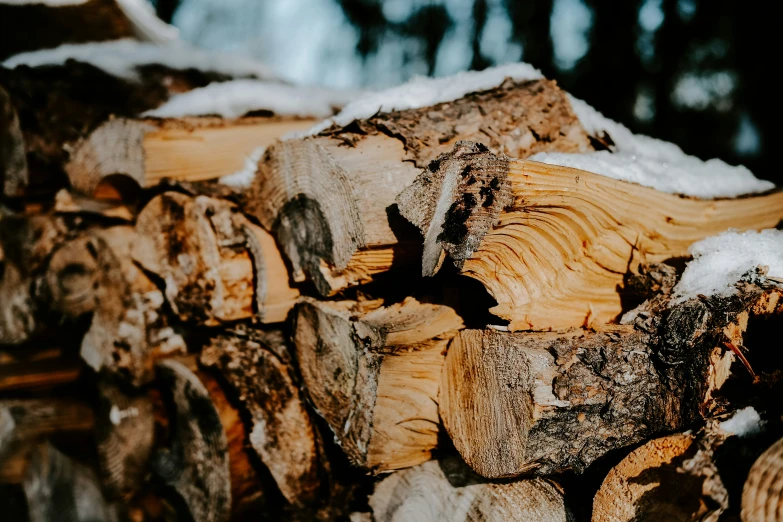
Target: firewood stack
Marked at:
400, 316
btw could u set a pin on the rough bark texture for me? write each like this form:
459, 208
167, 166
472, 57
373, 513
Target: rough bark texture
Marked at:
554, 245
13, 163
59, 488
372, 374
279, 427
545, 402
197, 465
332, 196
447, 490
762, 497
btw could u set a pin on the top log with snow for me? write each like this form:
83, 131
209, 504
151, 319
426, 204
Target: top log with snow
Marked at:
333, 198
149, 111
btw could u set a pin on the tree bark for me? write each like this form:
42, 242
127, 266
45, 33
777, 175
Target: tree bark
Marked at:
372, 373
552, 244
447, 490
545, 402
330, 198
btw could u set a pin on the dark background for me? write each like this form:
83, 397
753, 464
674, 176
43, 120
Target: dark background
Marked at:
695, 72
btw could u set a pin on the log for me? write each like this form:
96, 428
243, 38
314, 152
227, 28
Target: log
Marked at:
26, 422
447, 490
128, 331
130, 153
280, 430
196, 466
59, 488
330, 199
124, 433
216, 265
553, 244
545, 402
45, 370
26, 242
61, 106
372, 373
13, 162
762, 496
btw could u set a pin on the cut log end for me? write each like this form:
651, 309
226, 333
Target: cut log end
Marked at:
372, 373
762, 497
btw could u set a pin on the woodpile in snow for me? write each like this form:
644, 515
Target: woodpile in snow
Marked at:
472, 298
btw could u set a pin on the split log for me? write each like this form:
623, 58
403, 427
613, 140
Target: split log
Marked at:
762, 497
59, 488
216, 265
146, 151
663, 480
13, 162
372, 373
26, 242
543, 402
61, 106
128, 331
26, 422
281, 433
196, 466
124, 432
329, 199
446, 490
553, 244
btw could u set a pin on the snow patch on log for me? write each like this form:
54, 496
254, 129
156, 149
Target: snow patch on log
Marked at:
743, 423
122, 57
236, 98
720, 262
425, 92
653, 163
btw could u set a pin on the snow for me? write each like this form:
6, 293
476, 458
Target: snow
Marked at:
236, 98
743, 423
654, 163
688, 175
122, 57
719, 262
425, 92
243, 178
146, 23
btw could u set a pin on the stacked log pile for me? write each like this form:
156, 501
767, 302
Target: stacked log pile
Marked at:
314, 347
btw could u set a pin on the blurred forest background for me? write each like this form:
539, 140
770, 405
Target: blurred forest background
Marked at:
695, 72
